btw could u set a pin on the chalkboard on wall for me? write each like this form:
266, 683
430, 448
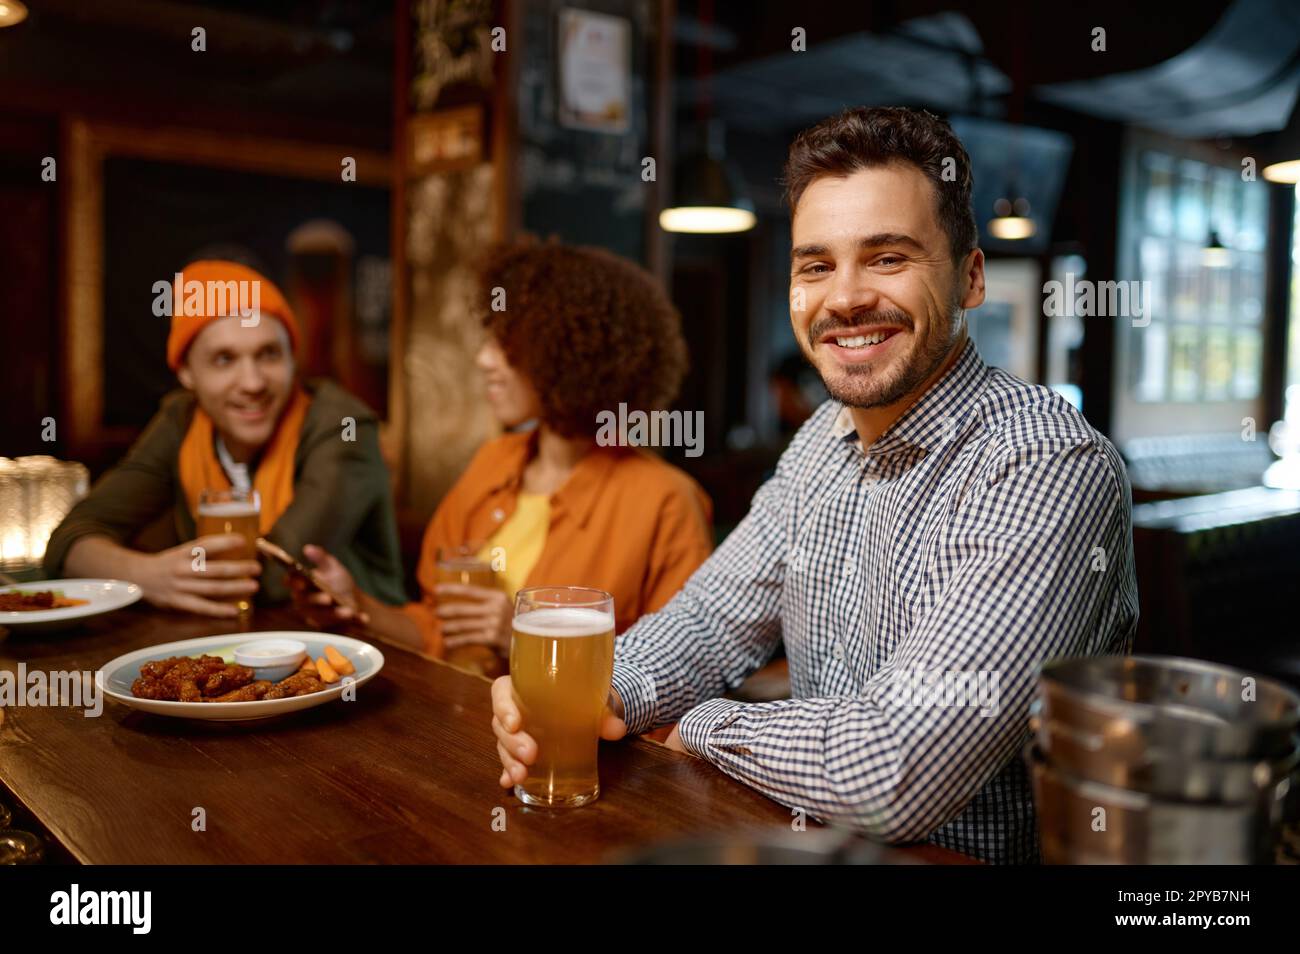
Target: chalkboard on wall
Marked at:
584, 185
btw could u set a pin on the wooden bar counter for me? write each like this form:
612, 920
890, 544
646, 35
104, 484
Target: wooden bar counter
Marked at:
406, 773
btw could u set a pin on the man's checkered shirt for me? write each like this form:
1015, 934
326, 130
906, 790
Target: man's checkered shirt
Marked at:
987, 530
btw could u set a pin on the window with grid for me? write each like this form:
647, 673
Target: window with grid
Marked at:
1204, 342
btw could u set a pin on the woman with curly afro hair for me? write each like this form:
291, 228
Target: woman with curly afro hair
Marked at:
571, 332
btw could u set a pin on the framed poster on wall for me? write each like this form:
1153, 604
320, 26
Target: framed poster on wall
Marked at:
595, 65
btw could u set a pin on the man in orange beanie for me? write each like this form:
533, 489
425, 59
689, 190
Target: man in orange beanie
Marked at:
242, 420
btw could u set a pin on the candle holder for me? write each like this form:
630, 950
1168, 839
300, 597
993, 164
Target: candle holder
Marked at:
36, 493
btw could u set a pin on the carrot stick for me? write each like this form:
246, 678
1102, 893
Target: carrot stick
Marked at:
326, 671
342, 665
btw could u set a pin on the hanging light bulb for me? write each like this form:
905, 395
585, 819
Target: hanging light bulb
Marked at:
1286, 172
1279, 153
1214, 254
12, 12
1011, 221
708, 196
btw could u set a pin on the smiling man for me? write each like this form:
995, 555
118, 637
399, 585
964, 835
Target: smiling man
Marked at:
242, 420
933, 533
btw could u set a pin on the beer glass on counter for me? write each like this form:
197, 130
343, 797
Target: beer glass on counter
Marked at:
232, 511
462, 565
561, 664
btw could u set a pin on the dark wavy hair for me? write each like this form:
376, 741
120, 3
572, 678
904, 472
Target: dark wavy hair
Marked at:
589, 330
862, 137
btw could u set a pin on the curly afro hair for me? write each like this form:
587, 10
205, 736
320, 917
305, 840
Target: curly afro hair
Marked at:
589, 330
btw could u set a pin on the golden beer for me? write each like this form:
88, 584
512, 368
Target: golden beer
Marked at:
469, 572
229, 511
561, 663
461, 565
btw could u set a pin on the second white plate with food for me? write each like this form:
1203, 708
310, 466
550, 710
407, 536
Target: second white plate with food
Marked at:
68, 600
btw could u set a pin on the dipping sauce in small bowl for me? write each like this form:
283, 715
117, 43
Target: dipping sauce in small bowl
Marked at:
272, 659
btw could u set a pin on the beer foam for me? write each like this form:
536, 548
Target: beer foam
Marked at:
228, 508
565, 621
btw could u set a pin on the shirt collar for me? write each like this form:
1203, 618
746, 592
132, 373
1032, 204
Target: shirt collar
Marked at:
236, 472
934, 418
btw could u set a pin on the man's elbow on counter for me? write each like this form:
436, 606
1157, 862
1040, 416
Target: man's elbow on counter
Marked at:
899, 815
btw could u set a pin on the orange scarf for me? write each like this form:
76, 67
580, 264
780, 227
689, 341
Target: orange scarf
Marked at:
201, 470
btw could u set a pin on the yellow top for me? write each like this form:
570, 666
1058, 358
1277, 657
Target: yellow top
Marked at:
517, 545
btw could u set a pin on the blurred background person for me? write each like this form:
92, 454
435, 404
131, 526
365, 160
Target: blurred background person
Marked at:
242, 420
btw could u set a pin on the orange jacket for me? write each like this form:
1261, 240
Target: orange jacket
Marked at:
625, 521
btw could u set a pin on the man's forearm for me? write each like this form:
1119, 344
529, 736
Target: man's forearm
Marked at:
860, 762
723, 625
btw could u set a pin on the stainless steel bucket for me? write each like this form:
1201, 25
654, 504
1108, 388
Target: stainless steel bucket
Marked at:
1086, 822
1171, 705
1161, 760
1087, 755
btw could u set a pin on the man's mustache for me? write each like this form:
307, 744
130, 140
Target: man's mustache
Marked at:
866, 319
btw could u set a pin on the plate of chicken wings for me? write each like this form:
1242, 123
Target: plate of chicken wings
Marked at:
199, 679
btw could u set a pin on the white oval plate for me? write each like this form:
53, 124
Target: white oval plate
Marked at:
115, 678
104, 596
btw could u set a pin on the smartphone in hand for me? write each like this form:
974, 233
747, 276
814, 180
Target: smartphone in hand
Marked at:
295, 567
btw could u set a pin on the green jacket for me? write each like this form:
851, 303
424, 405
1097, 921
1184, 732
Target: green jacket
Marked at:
341, 495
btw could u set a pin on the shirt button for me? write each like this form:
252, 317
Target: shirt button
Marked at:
849, 568
498, 514
837, 652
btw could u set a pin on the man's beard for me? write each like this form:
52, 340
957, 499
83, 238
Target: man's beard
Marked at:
863, 386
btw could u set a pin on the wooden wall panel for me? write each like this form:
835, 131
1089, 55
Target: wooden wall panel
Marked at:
452, 218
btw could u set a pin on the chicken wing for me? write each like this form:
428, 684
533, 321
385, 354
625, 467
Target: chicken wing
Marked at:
299, 684
246, 693
227, 679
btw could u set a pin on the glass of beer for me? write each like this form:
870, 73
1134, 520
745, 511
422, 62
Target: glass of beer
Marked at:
561, 663
462, 565
232, 511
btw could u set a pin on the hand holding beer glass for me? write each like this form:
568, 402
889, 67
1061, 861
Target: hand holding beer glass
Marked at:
561, 663
232, 512
474, 610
